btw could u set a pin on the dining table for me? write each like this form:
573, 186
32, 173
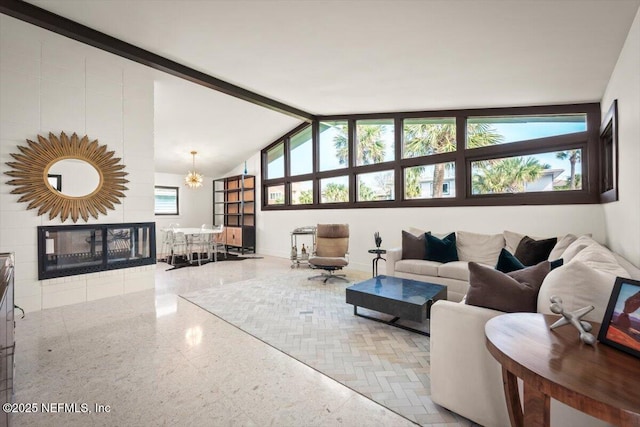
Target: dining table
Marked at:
190, 232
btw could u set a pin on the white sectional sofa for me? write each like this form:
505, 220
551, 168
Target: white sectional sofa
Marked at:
481, 248
464, 376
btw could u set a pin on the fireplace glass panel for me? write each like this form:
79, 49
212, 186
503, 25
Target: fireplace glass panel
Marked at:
80, 249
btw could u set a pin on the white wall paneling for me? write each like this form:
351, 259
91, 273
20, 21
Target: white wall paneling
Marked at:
49, 83
622, 218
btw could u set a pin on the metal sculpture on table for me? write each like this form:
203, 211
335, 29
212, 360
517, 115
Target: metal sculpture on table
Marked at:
378, 239
573, 318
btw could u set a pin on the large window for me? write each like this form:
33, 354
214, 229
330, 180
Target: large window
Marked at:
375, 142
498, 156
375, 186
166, 200
423, 137
334, 190
333, 136
301, 149
483, 131
430, 181
302, 193
275, 161
533, 173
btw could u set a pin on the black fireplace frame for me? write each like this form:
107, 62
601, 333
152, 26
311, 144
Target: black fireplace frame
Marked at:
99, 236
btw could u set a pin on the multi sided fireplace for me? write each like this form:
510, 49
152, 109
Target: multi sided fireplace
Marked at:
67, 250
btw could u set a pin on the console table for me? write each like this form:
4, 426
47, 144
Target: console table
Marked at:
600, 381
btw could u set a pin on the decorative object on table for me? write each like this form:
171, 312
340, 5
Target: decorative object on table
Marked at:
193, 178
573, 318
377, 238
621, 324
374, 263
244, 172
102, 184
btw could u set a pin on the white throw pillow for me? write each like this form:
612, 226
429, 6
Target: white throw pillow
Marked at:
480, 248
416, 231
561, 246
574, 248
579, 286
600, 258
512, 240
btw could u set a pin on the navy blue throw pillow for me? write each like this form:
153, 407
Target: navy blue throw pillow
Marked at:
441, 250
507, 262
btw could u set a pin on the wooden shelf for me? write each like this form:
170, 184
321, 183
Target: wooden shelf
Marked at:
234, 205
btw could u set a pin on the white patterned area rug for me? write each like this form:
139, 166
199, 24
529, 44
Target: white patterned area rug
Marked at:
311, 322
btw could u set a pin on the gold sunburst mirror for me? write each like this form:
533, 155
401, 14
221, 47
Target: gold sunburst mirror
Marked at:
38, 166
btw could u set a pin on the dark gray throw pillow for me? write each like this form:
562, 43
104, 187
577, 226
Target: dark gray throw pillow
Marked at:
512, 292
532, 252
413, 247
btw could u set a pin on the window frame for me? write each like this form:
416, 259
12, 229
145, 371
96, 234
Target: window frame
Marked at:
609, 137
588, 141
164, 187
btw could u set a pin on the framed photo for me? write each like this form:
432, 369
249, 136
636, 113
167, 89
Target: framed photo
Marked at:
621, 324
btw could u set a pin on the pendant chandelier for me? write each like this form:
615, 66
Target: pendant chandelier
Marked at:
193, 178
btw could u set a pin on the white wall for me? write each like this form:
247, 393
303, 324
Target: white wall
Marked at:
195, 205
49, 83
273, 227
622, 218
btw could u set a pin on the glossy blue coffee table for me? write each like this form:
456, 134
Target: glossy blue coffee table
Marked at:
402, 298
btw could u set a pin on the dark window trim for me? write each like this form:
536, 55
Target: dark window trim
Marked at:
609, 125
177, 200
462, 157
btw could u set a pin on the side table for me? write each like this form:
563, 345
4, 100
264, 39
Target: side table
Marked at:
374, 262
600, 380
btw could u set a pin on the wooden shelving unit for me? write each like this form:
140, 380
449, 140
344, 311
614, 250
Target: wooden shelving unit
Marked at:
234, 207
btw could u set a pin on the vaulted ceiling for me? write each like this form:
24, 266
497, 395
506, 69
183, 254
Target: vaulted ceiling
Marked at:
354, 56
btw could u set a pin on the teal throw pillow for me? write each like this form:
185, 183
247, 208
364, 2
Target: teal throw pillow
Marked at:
441, 250
507, 262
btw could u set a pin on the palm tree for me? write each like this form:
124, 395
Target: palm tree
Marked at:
306, 197
423, 139
567, 185
507, 175
574, 157
370, 146
334, 193
365, 192
412, 182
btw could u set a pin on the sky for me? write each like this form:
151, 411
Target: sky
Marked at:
626, 291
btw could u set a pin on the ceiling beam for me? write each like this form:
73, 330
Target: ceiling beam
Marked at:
68, 28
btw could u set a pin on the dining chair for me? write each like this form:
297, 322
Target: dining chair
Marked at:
178, 245
218, 241
215, 240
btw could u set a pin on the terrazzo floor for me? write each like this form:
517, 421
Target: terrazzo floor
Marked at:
152, 358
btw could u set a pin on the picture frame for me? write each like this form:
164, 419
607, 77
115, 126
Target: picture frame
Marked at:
621, 324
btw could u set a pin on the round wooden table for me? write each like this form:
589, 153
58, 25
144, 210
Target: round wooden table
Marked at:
600, 381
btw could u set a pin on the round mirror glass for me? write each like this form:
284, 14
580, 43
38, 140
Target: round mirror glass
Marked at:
73, 177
